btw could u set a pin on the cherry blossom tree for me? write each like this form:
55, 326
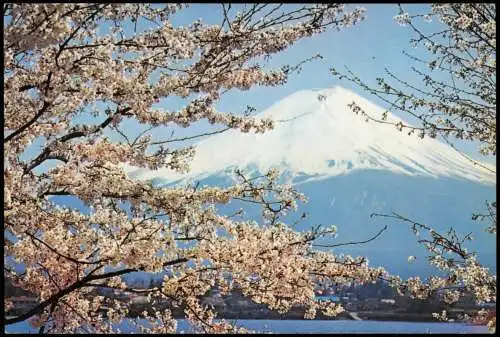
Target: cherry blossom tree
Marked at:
58, 67
456, 98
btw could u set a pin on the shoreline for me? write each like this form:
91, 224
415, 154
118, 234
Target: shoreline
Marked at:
381, 316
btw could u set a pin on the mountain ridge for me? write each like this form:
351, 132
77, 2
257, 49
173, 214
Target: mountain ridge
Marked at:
316, 135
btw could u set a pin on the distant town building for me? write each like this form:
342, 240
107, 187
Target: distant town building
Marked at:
327, 298
388, 301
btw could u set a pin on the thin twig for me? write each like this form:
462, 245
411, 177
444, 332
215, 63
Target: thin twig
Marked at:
354, 242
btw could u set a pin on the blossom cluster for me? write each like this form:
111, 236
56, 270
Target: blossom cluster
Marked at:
60, 66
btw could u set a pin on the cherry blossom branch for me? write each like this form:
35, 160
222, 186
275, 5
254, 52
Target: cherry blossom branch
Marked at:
45, 155
353, 242
77, 285
17, 132
55, 56
62, 255
190, 137
437, 239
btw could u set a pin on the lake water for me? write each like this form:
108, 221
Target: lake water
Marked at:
316, 326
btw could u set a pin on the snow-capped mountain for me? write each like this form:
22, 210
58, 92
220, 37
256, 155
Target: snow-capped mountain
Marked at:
348, 169
318, 136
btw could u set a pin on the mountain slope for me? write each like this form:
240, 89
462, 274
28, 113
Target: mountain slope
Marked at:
323, 138
349, 169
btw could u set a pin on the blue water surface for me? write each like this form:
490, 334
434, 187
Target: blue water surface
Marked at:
313, 327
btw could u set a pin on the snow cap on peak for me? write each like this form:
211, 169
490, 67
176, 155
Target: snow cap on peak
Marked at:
316, 134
